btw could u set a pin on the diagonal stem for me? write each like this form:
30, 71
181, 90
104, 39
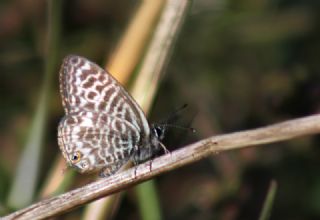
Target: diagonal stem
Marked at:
189, 154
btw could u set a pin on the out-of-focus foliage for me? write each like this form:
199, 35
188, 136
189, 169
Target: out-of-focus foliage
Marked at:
239, 64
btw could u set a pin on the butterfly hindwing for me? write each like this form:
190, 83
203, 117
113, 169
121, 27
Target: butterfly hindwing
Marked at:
101, 139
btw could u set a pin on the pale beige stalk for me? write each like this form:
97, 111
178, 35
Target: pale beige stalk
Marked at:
132, 45
186, 155
158, 53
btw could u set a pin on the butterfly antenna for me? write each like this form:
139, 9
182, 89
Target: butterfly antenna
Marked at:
174, 115
193, 130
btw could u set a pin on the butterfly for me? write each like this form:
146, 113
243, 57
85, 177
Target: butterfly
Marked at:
103, 128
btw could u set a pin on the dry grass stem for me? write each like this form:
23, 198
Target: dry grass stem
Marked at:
189, 154
158, 53
133, 42
55, 178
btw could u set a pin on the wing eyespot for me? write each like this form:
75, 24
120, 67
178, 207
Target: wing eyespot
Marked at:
76, 157
84, 165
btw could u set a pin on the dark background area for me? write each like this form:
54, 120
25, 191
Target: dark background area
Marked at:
238, 64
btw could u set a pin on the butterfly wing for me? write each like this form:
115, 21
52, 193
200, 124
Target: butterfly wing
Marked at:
102, 122
102, 141
86, 86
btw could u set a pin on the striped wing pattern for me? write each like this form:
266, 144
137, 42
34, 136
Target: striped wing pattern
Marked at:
103, 127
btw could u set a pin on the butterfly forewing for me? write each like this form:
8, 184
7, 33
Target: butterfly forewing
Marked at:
86, 86
103, 124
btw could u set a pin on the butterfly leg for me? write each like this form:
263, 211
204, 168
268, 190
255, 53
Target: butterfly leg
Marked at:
166, 151
136, 168
150, 165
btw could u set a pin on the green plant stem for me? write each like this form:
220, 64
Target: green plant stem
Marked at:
148, 201
25, 181
267, 206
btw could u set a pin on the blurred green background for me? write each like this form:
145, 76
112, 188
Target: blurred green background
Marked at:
239, 64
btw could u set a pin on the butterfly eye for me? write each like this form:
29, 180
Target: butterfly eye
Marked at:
76, 157
159, 131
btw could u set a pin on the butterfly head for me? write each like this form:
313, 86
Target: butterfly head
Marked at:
157, 135
158, 131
